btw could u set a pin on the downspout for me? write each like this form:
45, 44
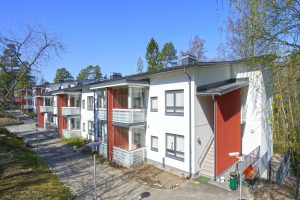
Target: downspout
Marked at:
214, 100
95, 119
190, 125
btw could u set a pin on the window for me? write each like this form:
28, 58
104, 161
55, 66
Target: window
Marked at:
101, 99
174, 102
90, 103
153, 104
90, 127
83, 104
175, 146
75, 124
154, 143
83, 127
102, 132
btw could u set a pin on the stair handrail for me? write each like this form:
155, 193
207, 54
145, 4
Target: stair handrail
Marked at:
206, 149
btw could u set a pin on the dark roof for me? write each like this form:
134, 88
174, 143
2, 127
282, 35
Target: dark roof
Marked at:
222, 87
120, 80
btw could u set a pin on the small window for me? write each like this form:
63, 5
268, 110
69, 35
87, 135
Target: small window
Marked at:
174, 102
154, 143
175, 146
90, 103
90, 127
83, 127
154, 107
83, 104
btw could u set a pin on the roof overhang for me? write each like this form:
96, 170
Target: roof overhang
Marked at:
120, 82
222, 87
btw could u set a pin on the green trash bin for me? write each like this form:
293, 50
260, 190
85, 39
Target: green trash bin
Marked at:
233, 180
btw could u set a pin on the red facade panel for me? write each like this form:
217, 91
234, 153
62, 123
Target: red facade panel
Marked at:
120, 98
121, 137
62, 121
109, 122
228, 129
40, 115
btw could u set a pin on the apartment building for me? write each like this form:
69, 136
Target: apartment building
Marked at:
24, 98
186, 118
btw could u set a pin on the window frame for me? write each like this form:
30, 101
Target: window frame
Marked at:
83, 103
175, 152
153, 148
90, 131
151, 108
174, 107
83, 126
90, 107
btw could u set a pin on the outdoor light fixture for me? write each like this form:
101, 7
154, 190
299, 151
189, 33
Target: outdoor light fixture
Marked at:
94, 146
241, 159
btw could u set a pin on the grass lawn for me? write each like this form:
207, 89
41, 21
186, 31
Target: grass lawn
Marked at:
202, 179
21, 177
6, 121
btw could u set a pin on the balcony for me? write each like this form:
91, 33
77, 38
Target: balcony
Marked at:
71, 133
102, 114
27, 97
67, 111
28, 106
129, 116
129, 158
46, 109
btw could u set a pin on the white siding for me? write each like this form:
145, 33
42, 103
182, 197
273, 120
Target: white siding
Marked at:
86, 115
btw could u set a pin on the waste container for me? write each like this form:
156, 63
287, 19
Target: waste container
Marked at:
233, 180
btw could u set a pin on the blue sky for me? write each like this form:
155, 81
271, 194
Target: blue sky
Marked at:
114, 34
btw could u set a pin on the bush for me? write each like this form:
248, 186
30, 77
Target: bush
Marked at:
30, 114
75, 141
9, 122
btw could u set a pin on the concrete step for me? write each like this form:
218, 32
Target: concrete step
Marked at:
207, 174
209, 162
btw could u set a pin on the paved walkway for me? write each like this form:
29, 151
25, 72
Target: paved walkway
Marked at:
76, 171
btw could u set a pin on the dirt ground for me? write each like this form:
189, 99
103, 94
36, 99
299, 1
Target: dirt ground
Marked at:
271, 191
155, 177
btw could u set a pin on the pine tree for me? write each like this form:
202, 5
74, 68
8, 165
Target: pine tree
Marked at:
152, 55
167, 55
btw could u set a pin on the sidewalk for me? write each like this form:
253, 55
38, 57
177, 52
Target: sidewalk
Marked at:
76, 171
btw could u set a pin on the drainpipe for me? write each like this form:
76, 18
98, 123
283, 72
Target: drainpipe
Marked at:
107, 131
95, 119
214, 100
190, 125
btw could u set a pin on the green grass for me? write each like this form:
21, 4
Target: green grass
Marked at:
5, 121
202, 179
74, 141
30, 114
22, 176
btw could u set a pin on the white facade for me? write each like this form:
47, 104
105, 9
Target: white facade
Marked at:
87, 114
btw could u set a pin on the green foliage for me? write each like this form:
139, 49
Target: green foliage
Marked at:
30, 114
90, 73
21, 175
75, 141
152, 55
167, 55
62, 74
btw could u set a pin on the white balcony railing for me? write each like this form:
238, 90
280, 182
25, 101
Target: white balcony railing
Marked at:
129, 115
102, 114
129, 158
70, 111
28, 106
46, 109
71, 133
27, 97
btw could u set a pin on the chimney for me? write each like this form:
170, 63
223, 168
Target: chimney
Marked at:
115, 75
187, 59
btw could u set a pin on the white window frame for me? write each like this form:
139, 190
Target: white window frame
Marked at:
176, 109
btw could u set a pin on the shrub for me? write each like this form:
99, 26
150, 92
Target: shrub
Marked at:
74, 141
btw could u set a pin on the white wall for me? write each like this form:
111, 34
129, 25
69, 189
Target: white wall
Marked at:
158, 123
86, 115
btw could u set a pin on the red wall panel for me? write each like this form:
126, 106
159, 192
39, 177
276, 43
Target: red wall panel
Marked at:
121, 137
228, 129
120, 98
40, 115
62, 121
109, 122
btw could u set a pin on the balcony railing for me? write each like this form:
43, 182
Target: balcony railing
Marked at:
129, 158
70, 111
102, 114
27, 97
46, 109
129, 115
28, 106
71, 133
